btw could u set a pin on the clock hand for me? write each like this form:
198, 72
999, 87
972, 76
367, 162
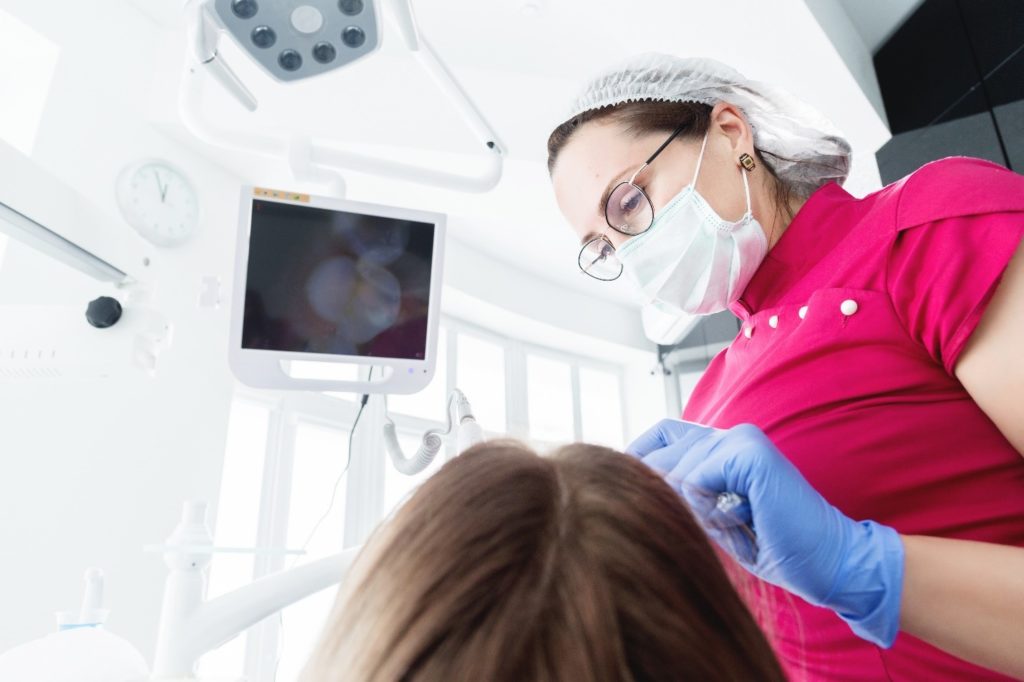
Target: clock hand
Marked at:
161, 187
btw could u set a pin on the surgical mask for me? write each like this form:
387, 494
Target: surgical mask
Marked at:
691, 261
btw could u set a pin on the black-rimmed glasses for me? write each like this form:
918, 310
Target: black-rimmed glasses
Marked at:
627, 210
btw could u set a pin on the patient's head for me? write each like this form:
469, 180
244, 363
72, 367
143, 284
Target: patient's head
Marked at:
510, 566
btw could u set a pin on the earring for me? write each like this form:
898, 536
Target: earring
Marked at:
746, 161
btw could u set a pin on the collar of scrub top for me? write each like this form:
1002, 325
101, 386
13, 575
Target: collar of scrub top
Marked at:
806, 240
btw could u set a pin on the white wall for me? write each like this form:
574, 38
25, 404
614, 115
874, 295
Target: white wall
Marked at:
877, 20
849, 43
94, 470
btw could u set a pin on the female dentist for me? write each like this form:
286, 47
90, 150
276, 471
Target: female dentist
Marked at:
880, 339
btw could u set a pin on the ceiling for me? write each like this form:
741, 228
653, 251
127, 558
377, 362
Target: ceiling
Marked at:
521, 61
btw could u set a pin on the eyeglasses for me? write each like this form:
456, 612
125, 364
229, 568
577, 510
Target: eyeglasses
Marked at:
627, 210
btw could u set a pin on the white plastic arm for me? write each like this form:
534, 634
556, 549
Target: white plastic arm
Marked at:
185, 636
204, 57
203, 37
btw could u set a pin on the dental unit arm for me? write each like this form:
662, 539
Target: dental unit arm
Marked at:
459, 414
308, 159
190, 626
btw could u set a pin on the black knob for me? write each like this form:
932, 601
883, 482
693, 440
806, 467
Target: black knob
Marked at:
103, 312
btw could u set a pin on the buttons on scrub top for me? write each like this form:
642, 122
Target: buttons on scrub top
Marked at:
848, 307
748, 331
773, 321
802, 312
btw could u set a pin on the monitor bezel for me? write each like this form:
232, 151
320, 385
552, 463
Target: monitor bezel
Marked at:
262, 367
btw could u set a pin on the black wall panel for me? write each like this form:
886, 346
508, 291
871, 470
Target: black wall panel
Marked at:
952, 80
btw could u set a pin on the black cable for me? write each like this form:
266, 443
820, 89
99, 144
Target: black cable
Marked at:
334, 492
348, 460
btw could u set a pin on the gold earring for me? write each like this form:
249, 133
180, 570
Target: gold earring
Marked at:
746, 161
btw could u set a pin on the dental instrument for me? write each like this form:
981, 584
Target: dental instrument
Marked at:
459, 416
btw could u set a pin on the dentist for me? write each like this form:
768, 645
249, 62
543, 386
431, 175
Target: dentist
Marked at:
879, 348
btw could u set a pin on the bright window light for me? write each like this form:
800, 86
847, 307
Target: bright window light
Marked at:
320, 456
238, 512
28, 60
549, 399
481, 376
601, 407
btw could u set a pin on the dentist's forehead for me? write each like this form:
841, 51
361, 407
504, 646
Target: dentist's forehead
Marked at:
596, 156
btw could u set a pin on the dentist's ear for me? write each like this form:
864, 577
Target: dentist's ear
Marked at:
728, 120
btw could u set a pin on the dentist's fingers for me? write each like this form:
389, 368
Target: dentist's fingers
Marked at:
663, 434
692, 444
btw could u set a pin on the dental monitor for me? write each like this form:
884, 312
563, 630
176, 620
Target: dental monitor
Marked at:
326, 289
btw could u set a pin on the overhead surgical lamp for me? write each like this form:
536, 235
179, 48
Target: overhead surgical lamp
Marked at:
293, 40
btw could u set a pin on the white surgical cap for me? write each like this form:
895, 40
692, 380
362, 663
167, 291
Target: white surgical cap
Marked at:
805, 149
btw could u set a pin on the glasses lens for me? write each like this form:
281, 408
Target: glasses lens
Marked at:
598, 259
629, 210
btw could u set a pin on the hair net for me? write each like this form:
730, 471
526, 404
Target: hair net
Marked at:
805, 149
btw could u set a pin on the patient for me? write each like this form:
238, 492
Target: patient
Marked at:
510, 566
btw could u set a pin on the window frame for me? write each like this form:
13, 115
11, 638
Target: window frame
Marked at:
365, 482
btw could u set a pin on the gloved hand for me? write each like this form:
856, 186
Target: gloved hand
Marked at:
784, 532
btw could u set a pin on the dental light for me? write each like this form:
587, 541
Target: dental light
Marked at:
293, 40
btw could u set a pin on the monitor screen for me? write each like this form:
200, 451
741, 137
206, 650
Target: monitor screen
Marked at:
338, 283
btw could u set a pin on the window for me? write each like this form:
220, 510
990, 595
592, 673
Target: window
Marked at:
688, 382
481, 376
549, 400
238, 512
28, 61
317, 479
601, 407
539, 394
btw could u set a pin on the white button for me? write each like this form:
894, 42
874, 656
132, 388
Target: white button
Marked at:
848, 307
748, 332
773, 321
803, 312
307, 19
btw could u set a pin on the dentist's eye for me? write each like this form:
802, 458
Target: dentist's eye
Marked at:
631, 201
629, 210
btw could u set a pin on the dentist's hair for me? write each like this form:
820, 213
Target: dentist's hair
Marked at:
656, 117
508, 566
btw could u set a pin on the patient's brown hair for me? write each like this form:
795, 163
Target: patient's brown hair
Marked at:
507, 566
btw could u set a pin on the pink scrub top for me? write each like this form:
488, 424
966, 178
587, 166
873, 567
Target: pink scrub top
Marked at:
850, 332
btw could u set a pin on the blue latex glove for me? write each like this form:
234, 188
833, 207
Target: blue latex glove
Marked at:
784, 532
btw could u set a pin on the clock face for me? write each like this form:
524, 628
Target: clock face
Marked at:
159, 202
